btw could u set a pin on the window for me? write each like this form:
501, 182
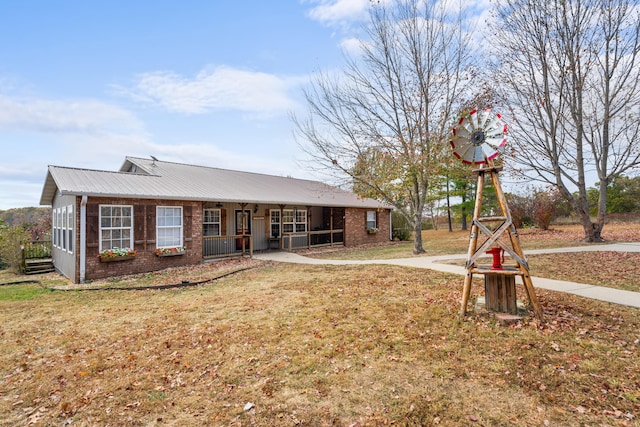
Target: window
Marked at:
116, 227
371, 220
59, 226
275, 222
287, 220
70, 223
211, 222
54, 222
294, 220
168, 226
63, 228
301, 221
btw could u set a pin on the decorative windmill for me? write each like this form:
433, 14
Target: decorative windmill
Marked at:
478, 139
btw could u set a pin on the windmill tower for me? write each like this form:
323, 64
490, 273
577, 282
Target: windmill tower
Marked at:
478, 139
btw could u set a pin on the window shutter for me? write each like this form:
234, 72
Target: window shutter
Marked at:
151, 223
223, 220
187, 226
93, 228
267, 222
138, 225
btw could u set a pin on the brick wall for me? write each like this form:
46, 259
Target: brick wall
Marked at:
356, 231
144, 214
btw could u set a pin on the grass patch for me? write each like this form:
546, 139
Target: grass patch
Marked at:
614, 269
443, 242
21, 291
314, 345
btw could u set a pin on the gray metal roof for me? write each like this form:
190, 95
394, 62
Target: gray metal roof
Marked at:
154, 179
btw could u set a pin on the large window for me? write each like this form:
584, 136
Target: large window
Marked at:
211, 224
292, 221
371, 220
64, 228
54, 221
69, 231
275, 222
116, 227
301, 221
169, 226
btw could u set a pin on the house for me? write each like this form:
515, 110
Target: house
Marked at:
176, 214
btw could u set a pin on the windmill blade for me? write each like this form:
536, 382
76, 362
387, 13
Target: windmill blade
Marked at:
485, 117
473, 119
497, 141
465, 124
479, 137
465, 152
458, 141
462, 132
478, 155
490, 152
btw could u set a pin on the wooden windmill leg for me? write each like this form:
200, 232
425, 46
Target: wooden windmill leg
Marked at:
466, 292
531, 293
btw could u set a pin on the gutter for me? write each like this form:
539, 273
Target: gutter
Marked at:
83, 237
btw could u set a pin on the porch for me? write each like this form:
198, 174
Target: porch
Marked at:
243, 245
265, 227
36, 257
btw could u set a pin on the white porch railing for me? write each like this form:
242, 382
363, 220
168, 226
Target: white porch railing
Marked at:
312, 239
227, 246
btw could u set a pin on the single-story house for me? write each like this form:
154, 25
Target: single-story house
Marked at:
154, 214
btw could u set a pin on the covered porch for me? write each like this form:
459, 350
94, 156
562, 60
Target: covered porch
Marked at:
237, 229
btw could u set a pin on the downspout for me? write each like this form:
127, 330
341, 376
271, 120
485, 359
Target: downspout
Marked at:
83, 237
390, 225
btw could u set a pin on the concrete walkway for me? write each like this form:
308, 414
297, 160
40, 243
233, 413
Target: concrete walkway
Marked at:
437, 263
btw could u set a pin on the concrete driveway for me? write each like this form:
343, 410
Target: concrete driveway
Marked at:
437, 263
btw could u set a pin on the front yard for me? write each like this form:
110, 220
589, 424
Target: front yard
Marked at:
311, 345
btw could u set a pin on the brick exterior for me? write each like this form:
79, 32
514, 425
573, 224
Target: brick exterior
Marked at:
144, 237
355, 227
144, 214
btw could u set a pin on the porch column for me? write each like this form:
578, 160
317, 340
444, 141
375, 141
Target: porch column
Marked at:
331, 225
281, 231
308, 227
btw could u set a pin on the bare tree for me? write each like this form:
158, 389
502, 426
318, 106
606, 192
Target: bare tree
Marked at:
569, 70
383, 124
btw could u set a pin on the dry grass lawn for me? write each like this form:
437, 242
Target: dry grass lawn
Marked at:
311, 345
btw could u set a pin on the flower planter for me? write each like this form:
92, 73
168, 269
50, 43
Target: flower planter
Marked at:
372, 230
171, 254
116, 258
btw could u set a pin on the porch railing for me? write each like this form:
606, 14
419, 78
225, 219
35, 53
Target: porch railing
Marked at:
227, 246
36, 257
312, 239
36, 249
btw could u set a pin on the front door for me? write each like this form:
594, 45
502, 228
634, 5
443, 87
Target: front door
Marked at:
243, 227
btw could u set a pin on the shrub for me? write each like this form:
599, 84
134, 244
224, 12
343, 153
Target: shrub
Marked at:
11, 240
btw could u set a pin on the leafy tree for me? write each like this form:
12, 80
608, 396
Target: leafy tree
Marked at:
380, 125
520, 207
543, 208
11, 240
570, 70
623, 195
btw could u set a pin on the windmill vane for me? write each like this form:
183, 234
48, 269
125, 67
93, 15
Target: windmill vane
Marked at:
479, 137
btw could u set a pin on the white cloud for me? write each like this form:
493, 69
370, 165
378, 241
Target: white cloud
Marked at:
351, 46
64, 116
338, 11
221, 88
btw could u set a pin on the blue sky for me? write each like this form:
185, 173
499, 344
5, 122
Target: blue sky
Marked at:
84, 84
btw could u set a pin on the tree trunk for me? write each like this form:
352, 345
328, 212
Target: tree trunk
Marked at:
449, 208
417, 235
463, 213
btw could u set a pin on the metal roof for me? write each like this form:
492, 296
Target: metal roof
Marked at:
155, 179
